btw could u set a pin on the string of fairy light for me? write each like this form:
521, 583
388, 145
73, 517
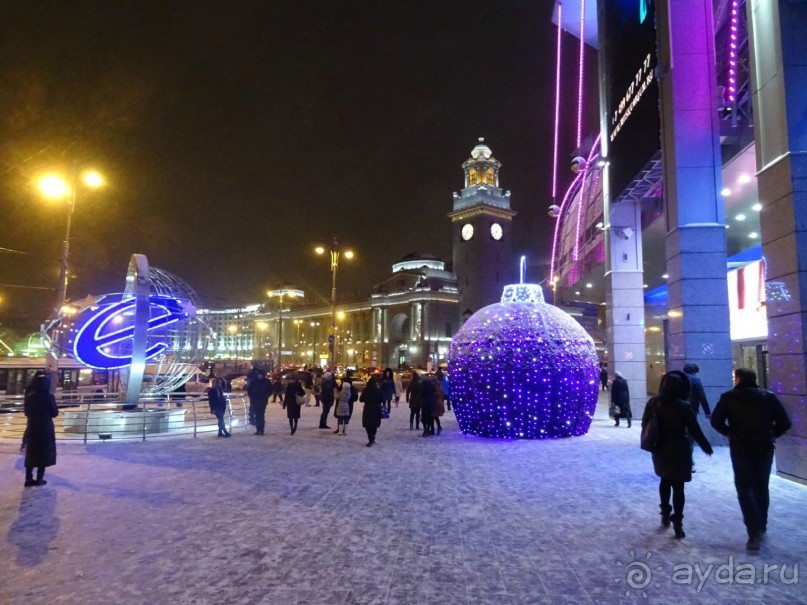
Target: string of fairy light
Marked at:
523, 369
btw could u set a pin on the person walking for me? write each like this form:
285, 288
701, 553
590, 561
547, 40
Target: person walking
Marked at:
414, 397
259, 390
620, 398
293, 400
752, 418
40, 410
317, 388
218, 404
277, 388
327, 386
398, 388
672, 458
697, 396
387, 388
30, 389
373, 399
429, 402
604, 376
442, 378
343, 407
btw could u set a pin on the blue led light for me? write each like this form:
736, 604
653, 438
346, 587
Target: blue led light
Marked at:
103, 339
523, 369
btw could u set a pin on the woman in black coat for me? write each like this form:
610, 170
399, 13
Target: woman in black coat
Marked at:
672, 458
40, 410
373, 399
620, 397
218, 404
293, 390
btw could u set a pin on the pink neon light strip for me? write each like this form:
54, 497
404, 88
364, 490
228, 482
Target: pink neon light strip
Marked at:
589, 165
733, 35
580, 74
557, 109
559, 224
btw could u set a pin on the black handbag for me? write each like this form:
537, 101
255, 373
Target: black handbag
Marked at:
650, 431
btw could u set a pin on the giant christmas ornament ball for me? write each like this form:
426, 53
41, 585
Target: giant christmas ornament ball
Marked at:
523, 369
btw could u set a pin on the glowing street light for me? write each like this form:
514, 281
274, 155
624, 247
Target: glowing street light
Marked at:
335, 251
55, 187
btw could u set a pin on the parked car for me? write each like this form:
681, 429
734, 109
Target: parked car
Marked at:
197, 383
239, 383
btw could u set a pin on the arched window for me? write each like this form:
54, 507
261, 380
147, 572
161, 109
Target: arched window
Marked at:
472, 177
491, 177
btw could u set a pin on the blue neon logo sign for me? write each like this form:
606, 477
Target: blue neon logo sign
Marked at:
644, 6
100, 340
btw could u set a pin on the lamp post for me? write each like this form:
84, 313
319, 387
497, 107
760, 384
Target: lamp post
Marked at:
261, 327
297, 323
280, 294
55, 187
336, 251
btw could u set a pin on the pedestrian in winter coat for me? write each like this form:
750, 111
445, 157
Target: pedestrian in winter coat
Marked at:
387, 388
40, 450
259, 390
603, 377
343, 407
414, 397
620, 398
439, 405
752, 418
697, 396
672, 459
373, 399
326, 396
398, 389
277, 388
218, 404
445, 386
290, 403
429, 395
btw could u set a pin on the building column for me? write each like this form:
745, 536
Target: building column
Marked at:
696, 238
624, 301
778, 76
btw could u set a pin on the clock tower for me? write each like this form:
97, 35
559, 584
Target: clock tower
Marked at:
482, 223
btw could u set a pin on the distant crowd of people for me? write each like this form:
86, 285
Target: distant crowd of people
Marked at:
427, 397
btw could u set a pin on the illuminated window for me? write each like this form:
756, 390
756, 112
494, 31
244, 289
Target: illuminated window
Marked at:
472, 178
491, 177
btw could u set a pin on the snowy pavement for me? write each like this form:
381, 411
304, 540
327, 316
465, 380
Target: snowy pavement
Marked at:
319, 518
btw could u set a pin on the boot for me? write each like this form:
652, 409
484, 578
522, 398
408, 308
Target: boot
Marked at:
666, 509
410, 426
617, 422
677, 521
628, 422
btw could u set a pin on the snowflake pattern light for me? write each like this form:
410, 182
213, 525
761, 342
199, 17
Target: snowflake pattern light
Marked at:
523, 369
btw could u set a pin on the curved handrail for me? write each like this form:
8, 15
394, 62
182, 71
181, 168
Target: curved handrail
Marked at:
89, 417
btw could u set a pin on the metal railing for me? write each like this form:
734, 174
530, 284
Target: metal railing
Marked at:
101, 417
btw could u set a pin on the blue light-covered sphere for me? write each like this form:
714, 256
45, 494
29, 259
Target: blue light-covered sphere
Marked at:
523, 369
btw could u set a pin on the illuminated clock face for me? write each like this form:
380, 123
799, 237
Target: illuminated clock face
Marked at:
496, 231
467, 231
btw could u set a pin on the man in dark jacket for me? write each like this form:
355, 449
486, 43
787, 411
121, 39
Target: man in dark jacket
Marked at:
697, 396
259, 390
752, 418
327, 385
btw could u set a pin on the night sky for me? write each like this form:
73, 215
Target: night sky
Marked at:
237, 135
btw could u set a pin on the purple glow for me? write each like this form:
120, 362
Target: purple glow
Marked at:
559, 222
591, 185
523, 369
580, 74
557, 108
732, 89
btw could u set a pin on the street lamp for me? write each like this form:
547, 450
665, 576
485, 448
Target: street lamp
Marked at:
55, 187
280, 294
335, 252
297, 323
